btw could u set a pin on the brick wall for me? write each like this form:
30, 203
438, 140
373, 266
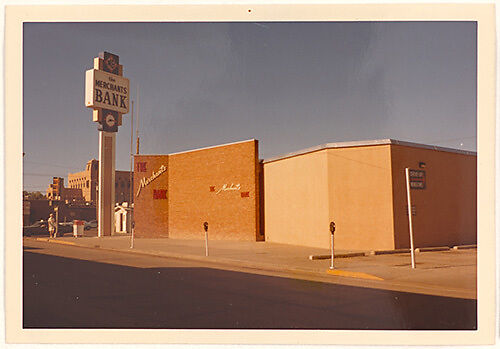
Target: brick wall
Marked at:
150, 206
218, 185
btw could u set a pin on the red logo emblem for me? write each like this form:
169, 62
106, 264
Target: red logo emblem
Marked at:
111, 63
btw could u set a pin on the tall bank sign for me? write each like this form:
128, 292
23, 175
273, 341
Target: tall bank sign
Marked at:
107, 92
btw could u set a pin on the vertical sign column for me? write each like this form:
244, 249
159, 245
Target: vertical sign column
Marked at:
107, 93
107, 142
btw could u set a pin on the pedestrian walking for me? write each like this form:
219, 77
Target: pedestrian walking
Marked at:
52, 225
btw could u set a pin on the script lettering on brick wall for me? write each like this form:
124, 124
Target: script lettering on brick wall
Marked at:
145, 181
226, 187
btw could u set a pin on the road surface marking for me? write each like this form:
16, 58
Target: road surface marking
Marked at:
352, 274
56, 241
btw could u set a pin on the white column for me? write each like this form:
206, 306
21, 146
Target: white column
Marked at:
106, 200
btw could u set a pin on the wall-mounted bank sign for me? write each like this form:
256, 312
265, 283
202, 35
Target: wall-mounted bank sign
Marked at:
145, 181
107, 91
417, 179
226, 187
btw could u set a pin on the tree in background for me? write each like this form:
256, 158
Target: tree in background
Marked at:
33, 195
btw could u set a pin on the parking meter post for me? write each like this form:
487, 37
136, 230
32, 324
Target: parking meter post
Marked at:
331, 260
132, 228
332, 232
205, 227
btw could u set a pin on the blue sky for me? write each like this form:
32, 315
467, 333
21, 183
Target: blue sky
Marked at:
289, 85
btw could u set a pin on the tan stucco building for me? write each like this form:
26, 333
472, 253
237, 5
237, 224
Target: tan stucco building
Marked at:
88, 181
362, 187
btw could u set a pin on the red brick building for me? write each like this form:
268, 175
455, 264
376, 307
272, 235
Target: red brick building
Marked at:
174, 194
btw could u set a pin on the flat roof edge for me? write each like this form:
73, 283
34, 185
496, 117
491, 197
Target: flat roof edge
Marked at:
351, 144
433, 147
204, 148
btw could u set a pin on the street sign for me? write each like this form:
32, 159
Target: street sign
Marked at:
417, 179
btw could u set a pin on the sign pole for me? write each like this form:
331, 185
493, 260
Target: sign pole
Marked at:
137, 131
107, 143
131, 216
410, 222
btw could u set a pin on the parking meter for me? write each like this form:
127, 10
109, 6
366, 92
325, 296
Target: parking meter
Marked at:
332, 231
205, 226
332, 227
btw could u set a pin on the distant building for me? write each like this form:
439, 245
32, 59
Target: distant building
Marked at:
57, 191
88, 182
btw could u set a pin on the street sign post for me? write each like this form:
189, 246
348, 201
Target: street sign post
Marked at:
410, 222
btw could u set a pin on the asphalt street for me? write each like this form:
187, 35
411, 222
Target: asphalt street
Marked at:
72, 287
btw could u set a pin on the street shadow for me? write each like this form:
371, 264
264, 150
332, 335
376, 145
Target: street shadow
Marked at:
70, 293
30, 248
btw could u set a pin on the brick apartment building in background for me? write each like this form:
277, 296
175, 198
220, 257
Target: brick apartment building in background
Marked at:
79, 199
82, 186
87, 182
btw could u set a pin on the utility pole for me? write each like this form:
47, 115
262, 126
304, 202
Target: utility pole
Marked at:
137, 131
131, 216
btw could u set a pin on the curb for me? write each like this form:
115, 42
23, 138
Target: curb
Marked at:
214, 260
431, 249
380, 252
464, 247
56, 241
341, 255
304, 273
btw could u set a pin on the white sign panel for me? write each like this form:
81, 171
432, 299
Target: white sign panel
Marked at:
106, 90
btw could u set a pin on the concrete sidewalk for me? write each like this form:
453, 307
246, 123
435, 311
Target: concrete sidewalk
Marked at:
449, 273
